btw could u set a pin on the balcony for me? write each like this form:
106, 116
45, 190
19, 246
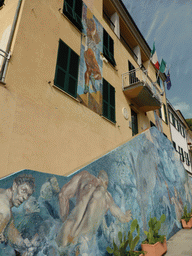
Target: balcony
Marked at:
142, 92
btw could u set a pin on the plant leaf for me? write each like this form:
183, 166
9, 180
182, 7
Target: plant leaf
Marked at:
163, 218
109, 250
120, 235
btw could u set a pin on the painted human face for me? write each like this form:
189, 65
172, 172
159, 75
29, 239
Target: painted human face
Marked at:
21, 193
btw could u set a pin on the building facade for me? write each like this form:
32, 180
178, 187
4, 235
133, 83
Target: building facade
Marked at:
76, 81
179, 136
189, 140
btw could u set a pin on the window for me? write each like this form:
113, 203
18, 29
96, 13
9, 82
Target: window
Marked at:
158, 79
160, 114
165, 112
186, 156
108, 101
152, 124
66, 74
177, 125
181, 154
173, 120
1, 3
73, 10
108, 48
182, 131
134, 122
174, 145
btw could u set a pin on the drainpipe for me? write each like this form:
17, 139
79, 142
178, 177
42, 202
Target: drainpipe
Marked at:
5, 64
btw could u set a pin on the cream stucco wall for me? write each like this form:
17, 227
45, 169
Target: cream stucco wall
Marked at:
42, 128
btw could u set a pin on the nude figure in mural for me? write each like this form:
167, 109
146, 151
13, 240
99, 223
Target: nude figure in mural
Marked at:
178, 203
22, 188
92, 203
93, 72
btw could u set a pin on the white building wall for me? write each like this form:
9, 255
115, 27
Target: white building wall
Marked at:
181, 142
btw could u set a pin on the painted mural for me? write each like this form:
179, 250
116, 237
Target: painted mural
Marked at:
43, 214
89, 88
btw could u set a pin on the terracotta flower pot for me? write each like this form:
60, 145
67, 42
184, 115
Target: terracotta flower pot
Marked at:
157, 249
187, 225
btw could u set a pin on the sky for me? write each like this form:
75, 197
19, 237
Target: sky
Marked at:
168, 23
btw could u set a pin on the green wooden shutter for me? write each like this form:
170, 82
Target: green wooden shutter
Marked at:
66, 75
105, 43
78, 11
108, 47
73, 10
112, 103
108, 101
73, 73
62, 63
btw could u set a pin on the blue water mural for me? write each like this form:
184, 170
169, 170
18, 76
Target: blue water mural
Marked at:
82, 214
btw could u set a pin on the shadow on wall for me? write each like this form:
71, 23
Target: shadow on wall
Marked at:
81, 214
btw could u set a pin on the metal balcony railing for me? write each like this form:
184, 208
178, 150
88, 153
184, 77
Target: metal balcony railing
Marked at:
139, 76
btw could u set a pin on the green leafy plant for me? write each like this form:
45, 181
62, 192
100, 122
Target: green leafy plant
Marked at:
125, 241
186, 216
154, 227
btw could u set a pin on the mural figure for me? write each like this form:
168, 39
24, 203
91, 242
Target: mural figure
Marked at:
82, 217
178, 203
48, 199
89, 89
38, 220
92, 203
21, 190
93, 72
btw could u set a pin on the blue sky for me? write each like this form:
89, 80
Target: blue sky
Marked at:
169, 24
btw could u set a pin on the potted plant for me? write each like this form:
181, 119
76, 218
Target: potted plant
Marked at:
124, 242
154, 244
186, 219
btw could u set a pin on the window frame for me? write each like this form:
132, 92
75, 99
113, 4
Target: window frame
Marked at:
107, 103
67, 75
